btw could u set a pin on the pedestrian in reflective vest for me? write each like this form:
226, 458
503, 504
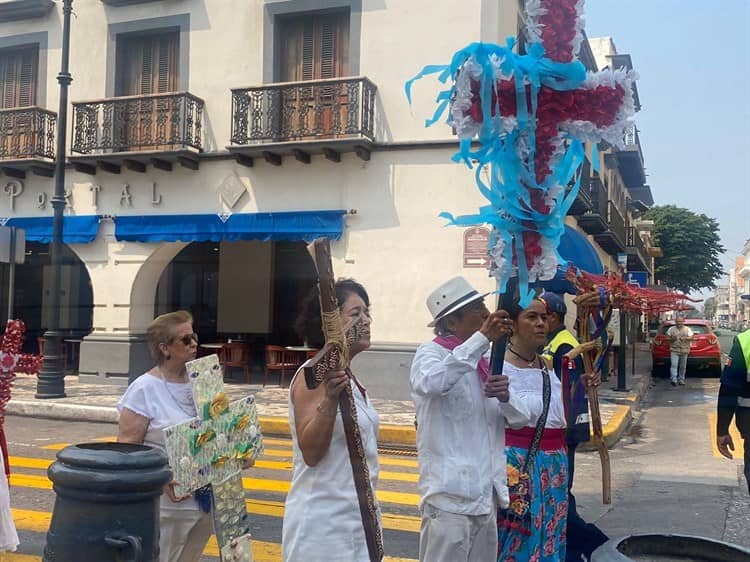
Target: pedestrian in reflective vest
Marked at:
734, 400
582, 538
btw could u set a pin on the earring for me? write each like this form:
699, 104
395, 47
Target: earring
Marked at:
167, 357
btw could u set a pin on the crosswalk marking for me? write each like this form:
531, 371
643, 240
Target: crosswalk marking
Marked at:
29, 462
739, 450
277, 458
278, 453
255, 484
13, 557
39, 521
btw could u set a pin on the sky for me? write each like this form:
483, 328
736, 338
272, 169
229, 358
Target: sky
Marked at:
693, 59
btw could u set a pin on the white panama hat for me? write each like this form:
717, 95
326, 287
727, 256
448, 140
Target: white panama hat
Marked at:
449, 297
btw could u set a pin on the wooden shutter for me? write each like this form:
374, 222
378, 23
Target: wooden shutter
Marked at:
149, 64
314, 47
18, 76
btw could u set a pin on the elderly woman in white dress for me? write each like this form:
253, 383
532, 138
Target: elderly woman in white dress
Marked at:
160, 398
322, 521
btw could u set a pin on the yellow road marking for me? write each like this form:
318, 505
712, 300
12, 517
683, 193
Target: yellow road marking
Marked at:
739, 450
43, 464
55, 446
13, 557
257, 484
282, 486
39, 521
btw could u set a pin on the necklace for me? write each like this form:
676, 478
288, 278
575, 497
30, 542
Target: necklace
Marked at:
178, 403
529, 362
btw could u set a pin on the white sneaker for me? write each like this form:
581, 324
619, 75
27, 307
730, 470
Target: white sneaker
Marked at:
682, 383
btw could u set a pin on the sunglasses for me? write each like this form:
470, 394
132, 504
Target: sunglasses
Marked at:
187, 339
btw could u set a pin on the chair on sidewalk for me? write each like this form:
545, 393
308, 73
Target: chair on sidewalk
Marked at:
278, 359
235, 355
63, 346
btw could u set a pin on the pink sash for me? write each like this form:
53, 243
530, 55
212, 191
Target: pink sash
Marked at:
452, 342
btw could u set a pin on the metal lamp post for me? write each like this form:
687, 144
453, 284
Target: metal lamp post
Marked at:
51, 381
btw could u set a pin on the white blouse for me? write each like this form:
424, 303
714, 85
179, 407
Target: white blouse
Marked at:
322, 522
526, 384
164, 404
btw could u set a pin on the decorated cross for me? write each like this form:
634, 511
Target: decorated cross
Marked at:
211, 449
12, 361
530, 115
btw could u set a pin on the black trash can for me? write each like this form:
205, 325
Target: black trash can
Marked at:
107, 504
669, 548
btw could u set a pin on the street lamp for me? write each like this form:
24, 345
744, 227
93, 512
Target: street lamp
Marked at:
51, 382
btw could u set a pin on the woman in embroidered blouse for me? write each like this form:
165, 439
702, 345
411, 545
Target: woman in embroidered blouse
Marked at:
160, 398
322, 521
535, 534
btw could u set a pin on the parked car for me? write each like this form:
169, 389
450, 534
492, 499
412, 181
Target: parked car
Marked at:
705, 352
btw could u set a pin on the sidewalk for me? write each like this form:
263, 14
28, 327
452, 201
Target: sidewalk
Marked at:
96, 403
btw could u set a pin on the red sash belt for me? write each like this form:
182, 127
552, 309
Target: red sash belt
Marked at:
553, 439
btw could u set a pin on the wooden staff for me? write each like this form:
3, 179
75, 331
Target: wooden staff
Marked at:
596, 416
335, 356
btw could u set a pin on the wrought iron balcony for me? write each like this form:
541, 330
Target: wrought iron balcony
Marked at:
27, 140
132, 127
638, 256
594, 221
629, 160
612, 240
300, 118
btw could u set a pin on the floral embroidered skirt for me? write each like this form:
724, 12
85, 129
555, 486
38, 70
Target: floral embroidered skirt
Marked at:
548, 507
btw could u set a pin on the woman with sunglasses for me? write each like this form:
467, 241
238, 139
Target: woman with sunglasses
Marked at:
160, 398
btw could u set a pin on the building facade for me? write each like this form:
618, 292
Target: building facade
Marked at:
209, 141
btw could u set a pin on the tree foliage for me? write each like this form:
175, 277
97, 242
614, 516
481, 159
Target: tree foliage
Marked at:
691, 246
709, 308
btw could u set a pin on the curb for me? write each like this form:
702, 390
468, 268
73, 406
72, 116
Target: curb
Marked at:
390, 434
623, 415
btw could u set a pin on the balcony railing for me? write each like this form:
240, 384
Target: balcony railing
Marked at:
631, 135
636, 243
598, 198
338, 108
160, 122
27, 133
616, 221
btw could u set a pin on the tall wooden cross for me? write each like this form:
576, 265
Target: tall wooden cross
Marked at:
335, 356
211, 449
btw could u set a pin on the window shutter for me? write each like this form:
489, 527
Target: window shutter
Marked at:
18, 77
314, 47
150, 64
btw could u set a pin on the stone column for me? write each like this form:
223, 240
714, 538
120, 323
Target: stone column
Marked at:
124, 276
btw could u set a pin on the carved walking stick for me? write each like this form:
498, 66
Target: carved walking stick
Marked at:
596, 416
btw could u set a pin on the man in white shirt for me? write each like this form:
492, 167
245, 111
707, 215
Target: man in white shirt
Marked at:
461, 414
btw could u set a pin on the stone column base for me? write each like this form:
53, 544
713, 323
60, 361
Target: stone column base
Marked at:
113, 358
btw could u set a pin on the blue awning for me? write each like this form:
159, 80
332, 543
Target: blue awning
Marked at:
287, 225
78, 229
576, 249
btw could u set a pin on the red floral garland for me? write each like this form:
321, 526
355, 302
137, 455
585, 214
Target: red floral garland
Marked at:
12, 361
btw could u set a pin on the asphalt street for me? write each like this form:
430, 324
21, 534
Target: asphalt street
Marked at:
667, 477
33, 444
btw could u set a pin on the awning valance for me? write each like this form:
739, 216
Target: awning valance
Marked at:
576, 249
78, 229
286, 225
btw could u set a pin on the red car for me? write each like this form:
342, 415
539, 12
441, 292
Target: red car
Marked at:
705, 352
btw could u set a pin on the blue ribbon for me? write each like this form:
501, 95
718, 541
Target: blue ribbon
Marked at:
511, 177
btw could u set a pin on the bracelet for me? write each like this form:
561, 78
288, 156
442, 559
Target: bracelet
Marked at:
327, 413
